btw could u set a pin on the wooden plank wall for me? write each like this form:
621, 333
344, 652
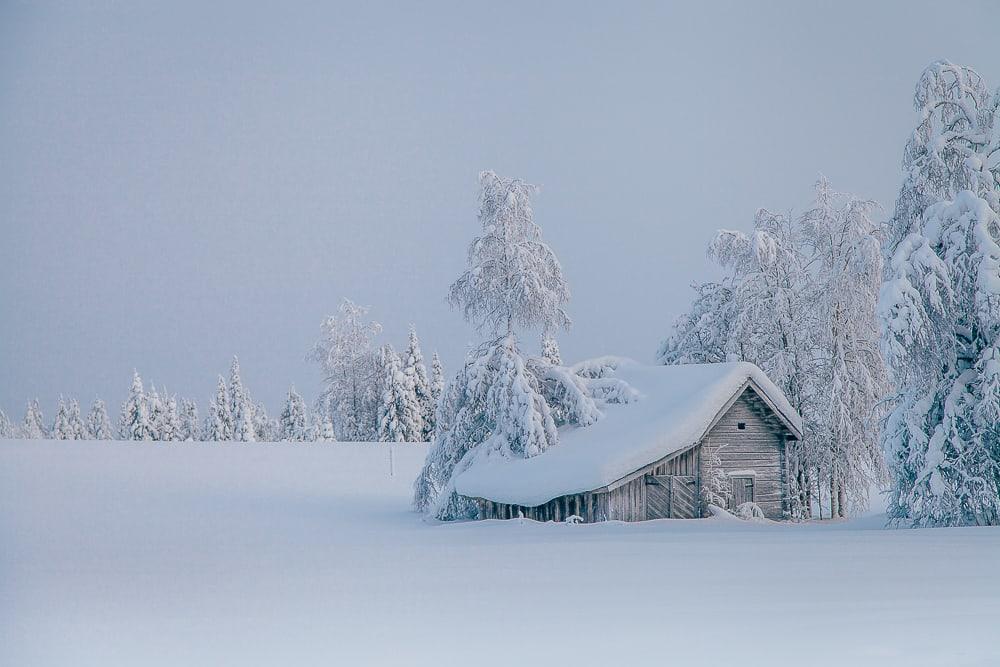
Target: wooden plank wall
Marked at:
760, 448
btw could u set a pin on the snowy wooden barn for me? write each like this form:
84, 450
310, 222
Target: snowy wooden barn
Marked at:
649, 459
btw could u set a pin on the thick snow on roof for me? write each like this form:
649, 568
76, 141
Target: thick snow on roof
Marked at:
677, 405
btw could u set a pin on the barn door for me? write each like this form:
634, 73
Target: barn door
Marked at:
742, 490
671, 497
683, 497
657, 497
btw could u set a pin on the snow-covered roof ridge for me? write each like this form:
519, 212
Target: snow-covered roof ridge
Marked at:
678, 405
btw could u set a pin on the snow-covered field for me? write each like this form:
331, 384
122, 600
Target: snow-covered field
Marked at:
205, 554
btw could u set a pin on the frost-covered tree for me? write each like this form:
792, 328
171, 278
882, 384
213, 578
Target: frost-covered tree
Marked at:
351, 372
262, 424
514, 279
157, 413
74, 421
33, 425
437, 379
550, 350
416, 375
241, 407
294, 422
799, 301
134, 422
940, 308
219, 421
60, 426
6, 427
702, 335
398, 410
98, 423
494, 408
171, 428
189, 426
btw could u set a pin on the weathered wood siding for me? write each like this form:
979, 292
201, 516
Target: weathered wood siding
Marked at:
760, 448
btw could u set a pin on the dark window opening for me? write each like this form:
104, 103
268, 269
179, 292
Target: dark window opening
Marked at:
741, 426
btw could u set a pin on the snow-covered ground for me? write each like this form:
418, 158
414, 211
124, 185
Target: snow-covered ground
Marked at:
205, 554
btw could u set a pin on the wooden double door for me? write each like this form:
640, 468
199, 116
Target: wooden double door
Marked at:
671, 497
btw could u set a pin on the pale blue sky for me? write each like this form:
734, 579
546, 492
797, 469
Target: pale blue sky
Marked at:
182, 183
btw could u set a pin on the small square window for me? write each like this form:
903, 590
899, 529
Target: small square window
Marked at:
741, 426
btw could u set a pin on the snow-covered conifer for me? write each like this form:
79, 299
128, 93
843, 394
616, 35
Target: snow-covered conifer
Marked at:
6, 427
157, 412
704, 333
60, 427
416, 374
134, 421
219, 421
98, 423
171, 428
33, 426
398, 413
437, 378
294, 423
189, 430
550, 350
351, 372
74, 421
240, 406
940, 308
262, 424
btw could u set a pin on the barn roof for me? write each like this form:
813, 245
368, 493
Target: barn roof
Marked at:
677, 406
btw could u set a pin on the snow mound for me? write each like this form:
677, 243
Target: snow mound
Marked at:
676, 406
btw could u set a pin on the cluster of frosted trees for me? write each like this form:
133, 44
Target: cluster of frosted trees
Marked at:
798, 299
399, 403
374, 393
893, 325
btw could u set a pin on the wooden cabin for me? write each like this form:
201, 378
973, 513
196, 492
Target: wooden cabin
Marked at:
650, 459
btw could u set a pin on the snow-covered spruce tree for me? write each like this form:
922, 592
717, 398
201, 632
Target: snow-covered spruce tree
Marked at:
6, 427
98, 423
134, 421
351, 372
157, 412
940, 308
240, 406
171, 428
437, 379
416, 374
550, 350
493, 407
33, 425
294, 423
190, 429
398, 410
219, 421
262, 424
60, 426
74, 421
799, 301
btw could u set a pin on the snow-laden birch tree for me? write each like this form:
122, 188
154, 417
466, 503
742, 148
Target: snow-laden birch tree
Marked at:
493, 407
940, 307
799, 301
349, 365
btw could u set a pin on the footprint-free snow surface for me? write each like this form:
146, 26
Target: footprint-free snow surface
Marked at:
275, 554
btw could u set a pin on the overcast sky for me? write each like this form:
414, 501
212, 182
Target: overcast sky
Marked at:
180, 183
